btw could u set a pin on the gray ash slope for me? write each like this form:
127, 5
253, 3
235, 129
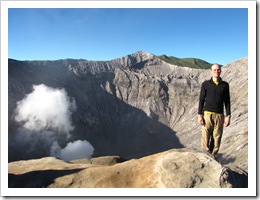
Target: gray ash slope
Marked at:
132, 106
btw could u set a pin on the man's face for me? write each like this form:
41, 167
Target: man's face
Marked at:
215, 71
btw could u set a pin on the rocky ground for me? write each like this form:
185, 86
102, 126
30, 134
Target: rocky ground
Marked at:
177, 168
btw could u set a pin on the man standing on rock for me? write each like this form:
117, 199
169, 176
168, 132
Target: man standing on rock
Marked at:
214, 95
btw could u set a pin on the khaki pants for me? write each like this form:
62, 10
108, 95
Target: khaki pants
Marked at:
212, 132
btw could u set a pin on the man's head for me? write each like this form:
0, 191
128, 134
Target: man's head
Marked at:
215, 71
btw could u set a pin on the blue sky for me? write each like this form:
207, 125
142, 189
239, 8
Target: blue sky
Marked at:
216, 35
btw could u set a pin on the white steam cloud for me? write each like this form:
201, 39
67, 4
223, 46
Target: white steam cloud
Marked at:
46, 108
45, 115
74, 150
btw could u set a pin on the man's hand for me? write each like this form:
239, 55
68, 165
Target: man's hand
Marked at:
227, 121
200, 120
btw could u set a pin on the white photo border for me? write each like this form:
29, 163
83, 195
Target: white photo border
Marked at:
250, 191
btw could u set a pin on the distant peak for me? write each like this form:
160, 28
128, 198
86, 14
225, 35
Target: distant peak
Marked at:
142, 53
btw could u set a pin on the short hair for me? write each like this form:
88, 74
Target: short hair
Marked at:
216, 64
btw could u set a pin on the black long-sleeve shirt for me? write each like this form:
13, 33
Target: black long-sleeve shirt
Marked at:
213, 97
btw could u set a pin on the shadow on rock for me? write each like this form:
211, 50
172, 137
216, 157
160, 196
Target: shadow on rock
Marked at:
37, 179
233, 179
224, 160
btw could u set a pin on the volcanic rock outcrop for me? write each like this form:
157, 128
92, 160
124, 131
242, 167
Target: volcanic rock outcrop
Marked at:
132, 107
183, 168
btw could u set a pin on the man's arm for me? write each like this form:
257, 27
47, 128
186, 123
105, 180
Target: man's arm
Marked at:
201, 104
228, 107
201, 99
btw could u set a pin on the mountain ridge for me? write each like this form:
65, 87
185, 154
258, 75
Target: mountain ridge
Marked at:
186, 62
140, 56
